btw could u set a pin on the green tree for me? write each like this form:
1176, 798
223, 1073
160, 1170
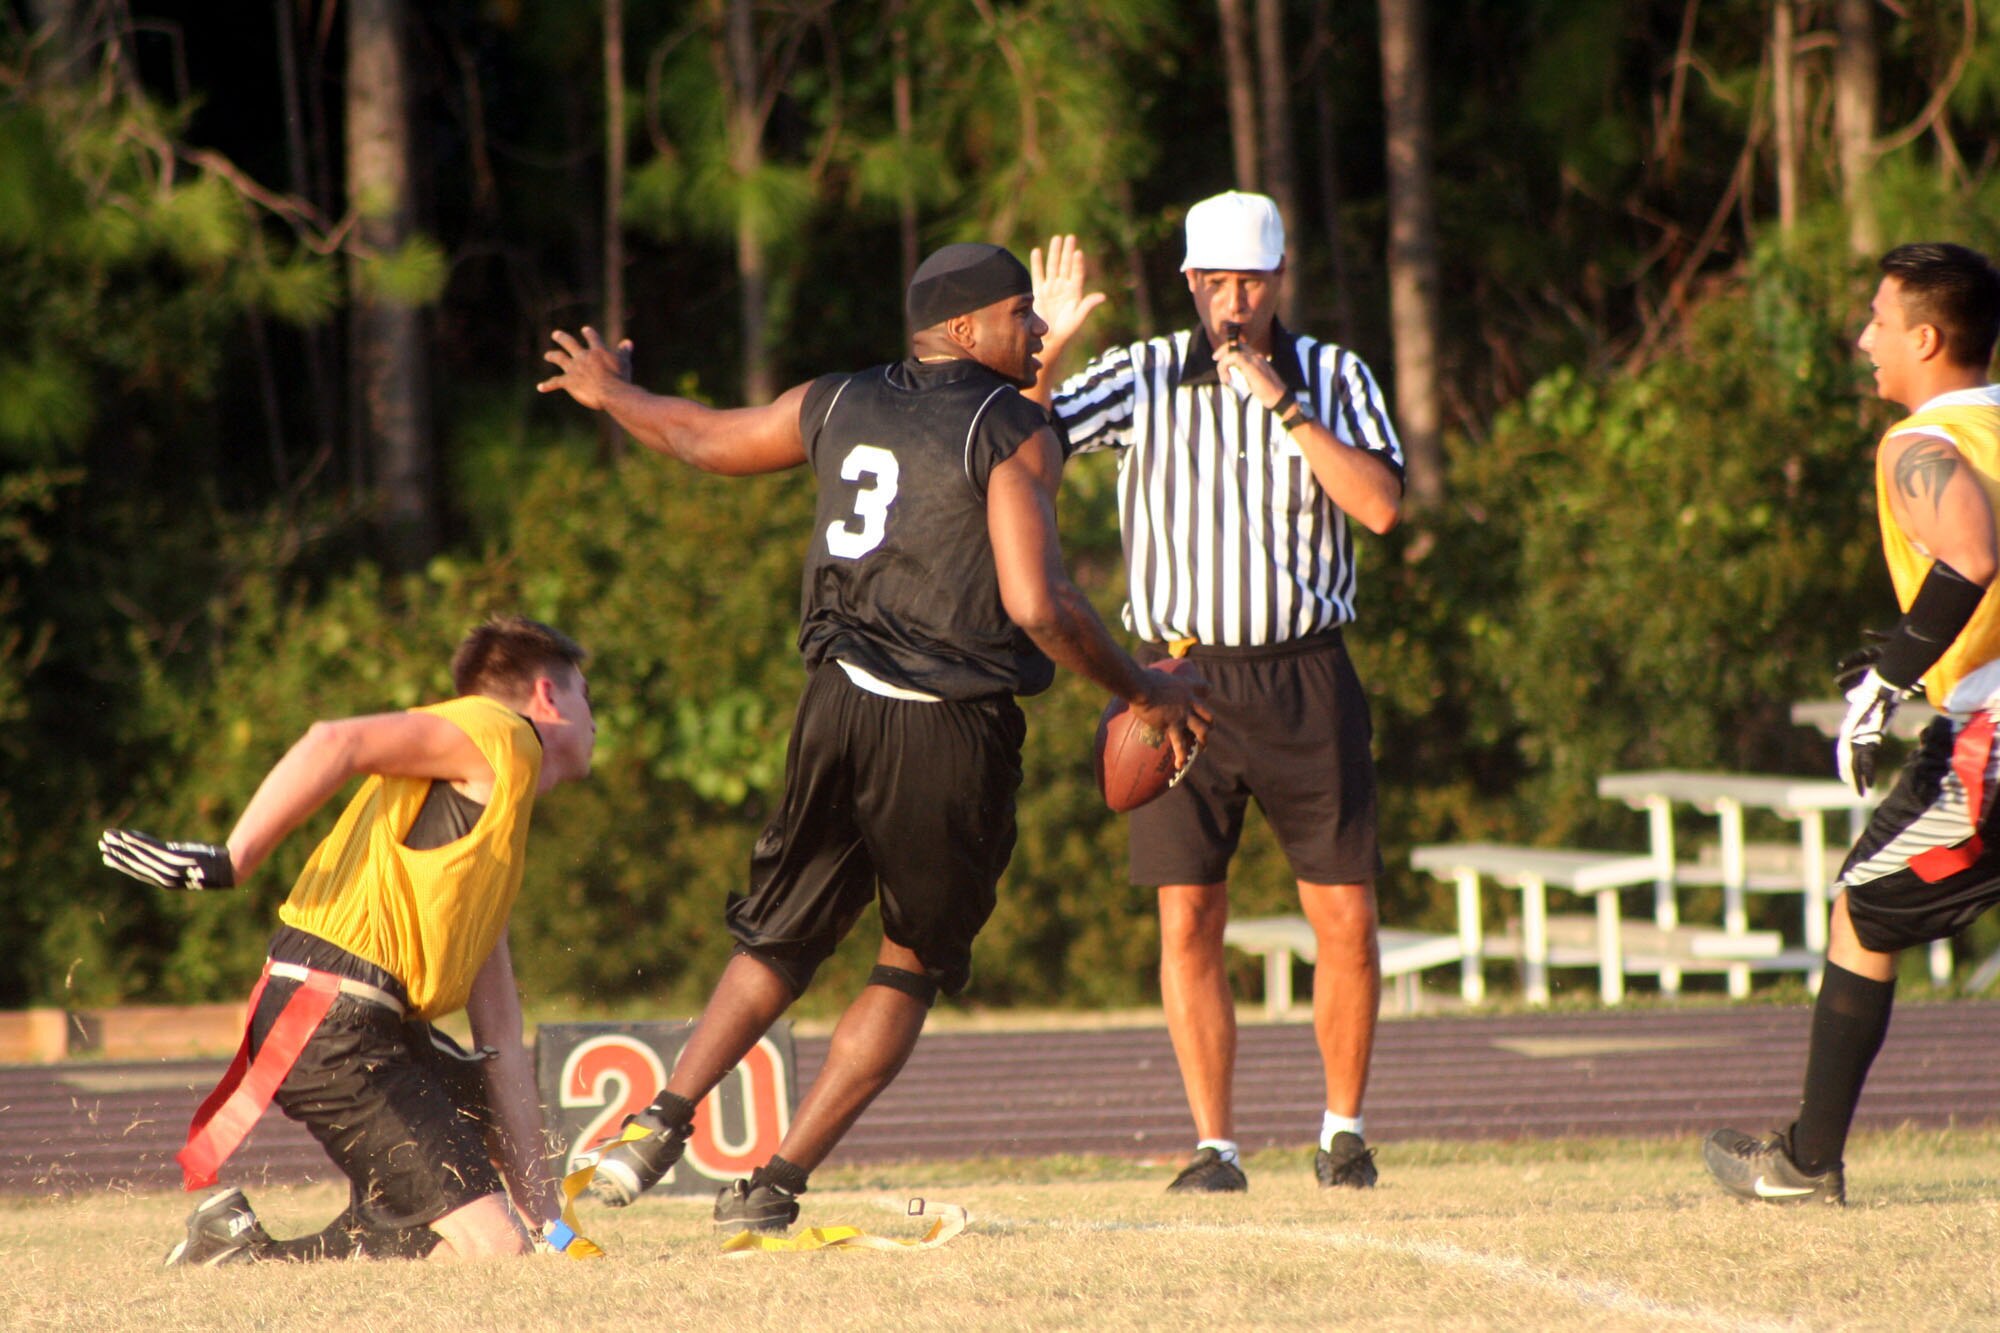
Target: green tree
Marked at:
126, 261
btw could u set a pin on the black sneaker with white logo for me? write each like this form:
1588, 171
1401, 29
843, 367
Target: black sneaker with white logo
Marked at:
1348, 1164
1210, 1173
628, 1168
756, 1205
220, 1230
1764, 1171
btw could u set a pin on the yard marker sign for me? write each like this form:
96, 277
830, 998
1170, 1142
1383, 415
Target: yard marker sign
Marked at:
593, 1075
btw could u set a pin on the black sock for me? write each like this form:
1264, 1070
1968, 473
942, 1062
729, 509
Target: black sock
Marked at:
340, 1240
346, 1238
787, 1176
672, 1109
1848, 1024
399, 1243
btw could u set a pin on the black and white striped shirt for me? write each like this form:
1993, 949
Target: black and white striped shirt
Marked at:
1229, 539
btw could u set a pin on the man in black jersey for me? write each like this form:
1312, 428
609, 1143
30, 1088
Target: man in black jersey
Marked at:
934, 592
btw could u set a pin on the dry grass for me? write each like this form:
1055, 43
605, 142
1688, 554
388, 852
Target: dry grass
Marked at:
1536, 1235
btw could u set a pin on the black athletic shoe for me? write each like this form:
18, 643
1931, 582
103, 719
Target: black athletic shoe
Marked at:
1763, 1170
1349, 1164
220, 1230
1208, 1173
630, 1167
755, 1205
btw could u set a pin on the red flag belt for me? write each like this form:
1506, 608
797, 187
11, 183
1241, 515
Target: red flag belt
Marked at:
228, 1114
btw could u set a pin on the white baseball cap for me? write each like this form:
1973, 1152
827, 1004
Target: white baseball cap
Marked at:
1234, 230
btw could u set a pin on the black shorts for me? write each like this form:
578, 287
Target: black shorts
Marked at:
1292, 731
1929, 862
918, 796
404, 1118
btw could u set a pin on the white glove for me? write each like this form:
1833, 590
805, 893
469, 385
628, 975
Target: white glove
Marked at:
171, 865
1870, 705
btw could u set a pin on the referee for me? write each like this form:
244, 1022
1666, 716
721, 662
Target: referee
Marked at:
1244, 449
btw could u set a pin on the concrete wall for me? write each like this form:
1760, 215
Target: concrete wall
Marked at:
129, 1032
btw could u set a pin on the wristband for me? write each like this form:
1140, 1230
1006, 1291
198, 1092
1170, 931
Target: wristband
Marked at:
1295, 418
1283, 407
1943, 606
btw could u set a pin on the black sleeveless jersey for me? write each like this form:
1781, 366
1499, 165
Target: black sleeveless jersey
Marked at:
899, 579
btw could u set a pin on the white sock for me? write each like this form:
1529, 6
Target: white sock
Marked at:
1224, 1148
1332, 1124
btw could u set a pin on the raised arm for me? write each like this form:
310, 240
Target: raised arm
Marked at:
732, 441
1039, 597
1059, 279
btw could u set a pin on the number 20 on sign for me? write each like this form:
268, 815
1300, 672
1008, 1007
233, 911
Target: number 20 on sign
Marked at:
608, 1073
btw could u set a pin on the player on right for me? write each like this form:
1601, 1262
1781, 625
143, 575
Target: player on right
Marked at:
1923, 870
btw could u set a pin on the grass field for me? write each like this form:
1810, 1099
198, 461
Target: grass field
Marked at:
1564, 1234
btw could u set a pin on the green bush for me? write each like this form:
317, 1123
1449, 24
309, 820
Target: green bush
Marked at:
1639, 569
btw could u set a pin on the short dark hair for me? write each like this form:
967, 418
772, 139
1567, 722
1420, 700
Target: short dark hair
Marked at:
502, 657
1954, 289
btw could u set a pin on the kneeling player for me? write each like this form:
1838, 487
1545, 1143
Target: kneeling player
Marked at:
399, 918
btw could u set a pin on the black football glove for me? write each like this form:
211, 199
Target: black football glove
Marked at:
1849, 670
171, 865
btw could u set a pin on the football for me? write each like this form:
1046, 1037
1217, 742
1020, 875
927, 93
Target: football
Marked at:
1135, 763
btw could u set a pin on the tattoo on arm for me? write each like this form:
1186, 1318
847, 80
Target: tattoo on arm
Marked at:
1925, 469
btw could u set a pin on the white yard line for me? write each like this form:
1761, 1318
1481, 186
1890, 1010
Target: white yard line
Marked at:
1500, 1267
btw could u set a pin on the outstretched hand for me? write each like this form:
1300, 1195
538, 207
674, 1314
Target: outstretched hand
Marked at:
589, 370
1059, 277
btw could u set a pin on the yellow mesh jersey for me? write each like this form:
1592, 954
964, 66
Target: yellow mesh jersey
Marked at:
1971, 421
429, 917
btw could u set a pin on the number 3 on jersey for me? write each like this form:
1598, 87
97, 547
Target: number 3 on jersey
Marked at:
878, 466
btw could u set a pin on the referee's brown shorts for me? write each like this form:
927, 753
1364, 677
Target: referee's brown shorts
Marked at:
1292, 732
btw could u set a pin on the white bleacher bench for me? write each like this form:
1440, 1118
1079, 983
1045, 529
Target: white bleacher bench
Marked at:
1280, 939
1606, 942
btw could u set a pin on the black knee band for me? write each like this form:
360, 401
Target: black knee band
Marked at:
914, 984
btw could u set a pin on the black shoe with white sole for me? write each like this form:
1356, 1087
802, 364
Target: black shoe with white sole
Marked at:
220, 1230
630, 1167
1763, 1170
756, 1205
